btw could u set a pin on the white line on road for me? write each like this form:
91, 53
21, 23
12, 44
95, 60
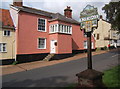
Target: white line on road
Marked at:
115, 55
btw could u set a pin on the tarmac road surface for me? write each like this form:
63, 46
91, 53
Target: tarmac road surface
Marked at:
59, 75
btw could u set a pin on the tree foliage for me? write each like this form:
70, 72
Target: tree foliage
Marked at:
112, 11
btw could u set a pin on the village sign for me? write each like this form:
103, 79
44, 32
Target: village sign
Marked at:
89, 78
88, 18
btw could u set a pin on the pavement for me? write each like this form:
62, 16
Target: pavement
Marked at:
59, 73
9, 69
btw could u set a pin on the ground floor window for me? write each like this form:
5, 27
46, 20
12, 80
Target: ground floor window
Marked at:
41, 43
85, 44
3, 47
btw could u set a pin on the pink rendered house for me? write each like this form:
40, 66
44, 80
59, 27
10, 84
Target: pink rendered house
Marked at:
39, 33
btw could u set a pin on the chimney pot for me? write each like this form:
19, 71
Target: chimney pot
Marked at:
101, 17
68, 12
18, 3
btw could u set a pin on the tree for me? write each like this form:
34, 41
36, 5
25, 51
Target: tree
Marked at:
112, 11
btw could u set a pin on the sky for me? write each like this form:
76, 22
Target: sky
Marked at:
58, 6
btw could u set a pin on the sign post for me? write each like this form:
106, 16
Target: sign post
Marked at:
88, 20
89, 77
89, 52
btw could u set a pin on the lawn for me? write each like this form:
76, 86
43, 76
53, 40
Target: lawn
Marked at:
111, 77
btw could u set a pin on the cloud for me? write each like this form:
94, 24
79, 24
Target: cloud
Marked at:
59, 5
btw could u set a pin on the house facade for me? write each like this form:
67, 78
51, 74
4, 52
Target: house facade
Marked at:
7, 36
114, 38
104, 35
39, 33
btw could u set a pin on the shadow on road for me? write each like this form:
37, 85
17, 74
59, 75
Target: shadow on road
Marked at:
116, 51
58, 81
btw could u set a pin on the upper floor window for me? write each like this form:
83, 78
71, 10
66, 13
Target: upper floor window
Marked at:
60, 28
6, 33
3, 47
97, 37
41, 43
41, 25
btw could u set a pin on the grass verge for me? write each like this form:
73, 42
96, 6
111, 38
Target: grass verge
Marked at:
111, 77
15, 62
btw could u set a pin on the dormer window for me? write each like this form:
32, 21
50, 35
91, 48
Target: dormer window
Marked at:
42, 24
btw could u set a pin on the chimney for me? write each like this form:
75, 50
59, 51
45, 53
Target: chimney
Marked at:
18, 3
68, 12
101, 17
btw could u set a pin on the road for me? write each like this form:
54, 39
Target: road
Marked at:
59, 75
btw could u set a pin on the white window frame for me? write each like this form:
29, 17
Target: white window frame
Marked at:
7, 33
45, 25
60, 28
2, 48
38, 43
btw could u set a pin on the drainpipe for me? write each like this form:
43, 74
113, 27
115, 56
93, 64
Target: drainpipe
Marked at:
12, 47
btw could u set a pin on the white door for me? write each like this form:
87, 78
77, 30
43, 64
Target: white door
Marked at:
92, 45
52, 46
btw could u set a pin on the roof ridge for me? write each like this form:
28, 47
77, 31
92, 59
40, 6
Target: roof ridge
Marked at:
37, 9
4, 9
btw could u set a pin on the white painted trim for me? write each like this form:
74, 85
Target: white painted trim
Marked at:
45, 25
61, 30
13, 8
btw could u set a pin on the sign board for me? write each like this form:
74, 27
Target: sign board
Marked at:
88, 18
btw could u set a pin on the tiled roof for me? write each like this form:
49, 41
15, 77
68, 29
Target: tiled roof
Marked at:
6, 19
53, 16
60, 17
33, 10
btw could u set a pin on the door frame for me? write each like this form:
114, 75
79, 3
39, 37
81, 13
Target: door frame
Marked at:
52, 45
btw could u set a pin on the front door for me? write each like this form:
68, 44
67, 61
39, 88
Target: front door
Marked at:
52, 46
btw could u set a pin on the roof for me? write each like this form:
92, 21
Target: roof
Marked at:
6, 19
53, 16
58, 16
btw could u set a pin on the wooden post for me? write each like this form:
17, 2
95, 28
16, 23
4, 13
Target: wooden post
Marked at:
89, 51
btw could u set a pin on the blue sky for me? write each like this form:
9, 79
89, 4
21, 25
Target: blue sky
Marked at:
59, 5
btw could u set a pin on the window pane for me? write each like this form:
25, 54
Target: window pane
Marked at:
41, 24
8, 33
4, 33
41, 43
4, 47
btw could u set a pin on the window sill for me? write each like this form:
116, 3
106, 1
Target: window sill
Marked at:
42, 48
41, 31
7, 36
60, 33
4, 52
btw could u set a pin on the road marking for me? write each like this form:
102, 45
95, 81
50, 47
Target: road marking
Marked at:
115, 55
